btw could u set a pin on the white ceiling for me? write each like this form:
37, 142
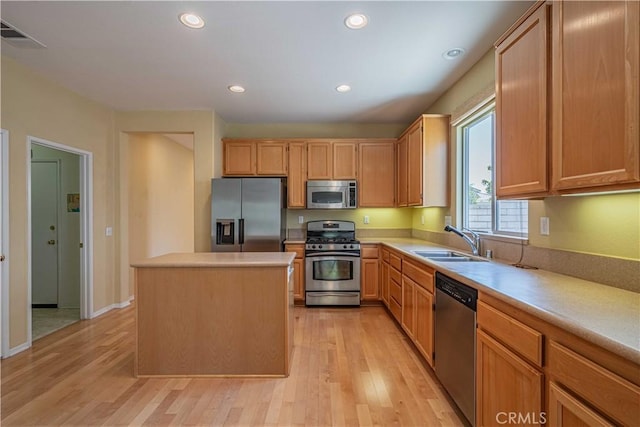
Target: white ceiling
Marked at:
290, 55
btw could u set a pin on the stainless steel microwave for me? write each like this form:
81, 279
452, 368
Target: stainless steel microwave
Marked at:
332, 194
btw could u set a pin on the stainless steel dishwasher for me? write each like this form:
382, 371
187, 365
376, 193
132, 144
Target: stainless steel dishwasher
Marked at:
455, 342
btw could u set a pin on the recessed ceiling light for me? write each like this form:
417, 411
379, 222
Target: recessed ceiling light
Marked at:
343, 88
356, 21
192, 20
454, 53
236, 88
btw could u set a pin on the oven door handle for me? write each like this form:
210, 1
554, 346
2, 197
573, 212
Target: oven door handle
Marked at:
333, 255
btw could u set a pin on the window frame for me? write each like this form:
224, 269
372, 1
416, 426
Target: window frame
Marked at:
474, 116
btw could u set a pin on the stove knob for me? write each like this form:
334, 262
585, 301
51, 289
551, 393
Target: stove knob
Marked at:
319, 246
351, 246
313, 246
345, 246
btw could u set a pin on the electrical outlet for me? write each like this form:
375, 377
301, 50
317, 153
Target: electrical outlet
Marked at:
447, 220
108, 231
422, 219
544, 226
300, 219
366, 219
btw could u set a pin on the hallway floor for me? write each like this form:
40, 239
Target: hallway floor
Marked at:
47, 320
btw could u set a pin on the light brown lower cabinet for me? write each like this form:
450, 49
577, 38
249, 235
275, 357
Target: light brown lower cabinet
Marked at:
384, 282
298, 271
506, 385
369, 273
566, 410
423, 331
408, 306
590, 390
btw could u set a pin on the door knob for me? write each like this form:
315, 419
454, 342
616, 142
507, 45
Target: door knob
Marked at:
51, 242
1, 258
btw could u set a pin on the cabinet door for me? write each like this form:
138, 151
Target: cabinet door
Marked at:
402, 171
408, 306
319, 160
505, 383
414, 166
239, 158
423, 337
595, 94
298, 279
435, 156
369, 279
565, 410
271, 158
297, 177
376, 174
384, 282
521, 109
344, 160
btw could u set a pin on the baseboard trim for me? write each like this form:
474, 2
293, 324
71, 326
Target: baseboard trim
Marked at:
17, 349
108, 308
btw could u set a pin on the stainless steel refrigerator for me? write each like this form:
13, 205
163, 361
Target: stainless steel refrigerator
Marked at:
248, 214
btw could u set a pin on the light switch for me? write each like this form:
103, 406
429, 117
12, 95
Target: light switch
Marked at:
366, 219
544, 226
300, 219
108, 231
422, 219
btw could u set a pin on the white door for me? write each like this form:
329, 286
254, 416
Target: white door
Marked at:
44, 233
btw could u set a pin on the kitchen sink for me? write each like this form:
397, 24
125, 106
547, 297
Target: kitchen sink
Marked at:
446, 256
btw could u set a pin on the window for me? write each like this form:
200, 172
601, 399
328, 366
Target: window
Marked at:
481, 211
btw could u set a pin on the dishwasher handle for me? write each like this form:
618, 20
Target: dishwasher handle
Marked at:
462, 293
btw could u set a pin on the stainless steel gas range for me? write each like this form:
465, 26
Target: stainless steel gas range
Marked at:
332, 267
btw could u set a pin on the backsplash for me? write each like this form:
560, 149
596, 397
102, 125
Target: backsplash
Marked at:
617, 272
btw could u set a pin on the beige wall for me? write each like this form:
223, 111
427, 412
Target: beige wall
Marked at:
34, 106
314, 130
160, 197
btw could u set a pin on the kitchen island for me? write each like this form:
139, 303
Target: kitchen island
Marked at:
214, 314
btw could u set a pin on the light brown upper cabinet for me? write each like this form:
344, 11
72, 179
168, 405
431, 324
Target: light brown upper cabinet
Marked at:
331, 160
567, 95
376, 173
402, 170
521, 108
297, 177
425, 162
246, 158
596, 142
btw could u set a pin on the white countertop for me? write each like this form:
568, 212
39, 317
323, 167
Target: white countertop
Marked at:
603, 315
218, 259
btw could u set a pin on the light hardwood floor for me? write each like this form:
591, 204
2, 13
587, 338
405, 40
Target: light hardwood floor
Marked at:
350, 367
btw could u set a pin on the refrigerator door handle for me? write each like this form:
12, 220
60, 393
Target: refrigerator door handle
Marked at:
241, 231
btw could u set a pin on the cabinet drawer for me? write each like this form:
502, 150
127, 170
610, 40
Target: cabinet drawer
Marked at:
298, 249
422, 275
609, 393
369, 251
396, 276
395, 292
395, 261
395, 308
524, 340
385, 255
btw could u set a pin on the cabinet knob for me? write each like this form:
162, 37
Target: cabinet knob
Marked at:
51, 242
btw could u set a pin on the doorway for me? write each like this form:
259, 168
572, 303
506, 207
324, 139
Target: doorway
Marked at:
59, 213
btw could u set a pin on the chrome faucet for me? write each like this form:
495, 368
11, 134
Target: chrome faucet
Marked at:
473, 243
